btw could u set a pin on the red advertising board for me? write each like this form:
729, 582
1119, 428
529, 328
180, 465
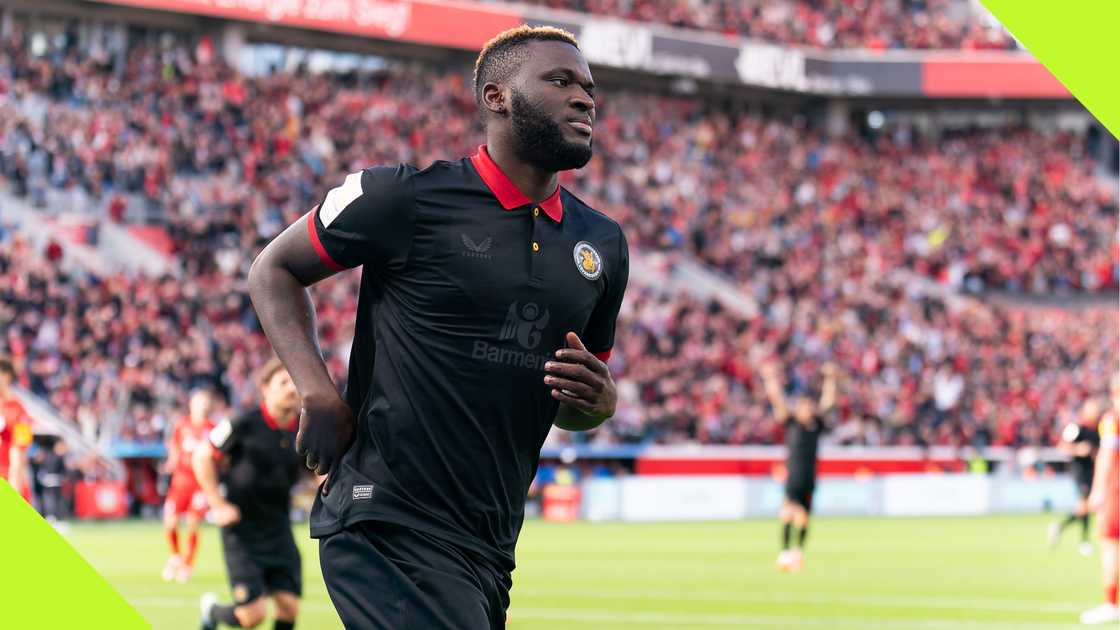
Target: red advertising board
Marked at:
999, 76
448, 24
100, 499
561, 503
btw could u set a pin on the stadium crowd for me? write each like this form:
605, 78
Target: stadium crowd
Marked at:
851, 248
872, 24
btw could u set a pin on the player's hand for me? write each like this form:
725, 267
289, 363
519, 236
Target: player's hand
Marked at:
580, 380
225, 513
326, 429
829, 370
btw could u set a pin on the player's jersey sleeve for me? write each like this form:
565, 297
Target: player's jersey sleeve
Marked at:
368, 219
226, 436
599, 334
1071, 433
22, 435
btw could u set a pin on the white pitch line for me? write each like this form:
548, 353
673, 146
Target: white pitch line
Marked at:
692, 620
188, 602
796, 597
735, 620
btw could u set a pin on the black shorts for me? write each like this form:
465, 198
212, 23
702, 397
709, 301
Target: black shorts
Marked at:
262, 565
382, 576
801, 493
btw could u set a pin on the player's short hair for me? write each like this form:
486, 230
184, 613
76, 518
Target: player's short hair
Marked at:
268, 370
7, 367
502, 56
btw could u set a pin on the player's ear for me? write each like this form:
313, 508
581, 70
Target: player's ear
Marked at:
494, 98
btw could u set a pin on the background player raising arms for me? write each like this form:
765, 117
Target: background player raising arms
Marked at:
185, 498
1105, 501
804, 424
487, 307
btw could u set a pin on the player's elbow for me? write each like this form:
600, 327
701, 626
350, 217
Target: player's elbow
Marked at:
259, 273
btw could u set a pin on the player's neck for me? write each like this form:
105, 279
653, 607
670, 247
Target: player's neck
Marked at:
536, 184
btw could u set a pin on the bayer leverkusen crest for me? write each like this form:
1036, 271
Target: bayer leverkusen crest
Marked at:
587, 260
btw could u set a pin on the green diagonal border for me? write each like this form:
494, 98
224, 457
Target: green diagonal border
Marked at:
56, 588
1077, 41
46, 583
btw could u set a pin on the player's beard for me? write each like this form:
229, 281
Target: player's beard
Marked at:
538, 139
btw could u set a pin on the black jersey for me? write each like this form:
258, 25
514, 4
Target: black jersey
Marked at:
467, 290
801, 443
1082, 466
257, 468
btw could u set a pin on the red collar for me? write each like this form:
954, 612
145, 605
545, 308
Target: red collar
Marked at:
506, 191
270, 421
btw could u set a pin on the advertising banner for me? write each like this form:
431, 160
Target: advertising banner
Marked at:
683, 499
935, 495
453, 25
657, 49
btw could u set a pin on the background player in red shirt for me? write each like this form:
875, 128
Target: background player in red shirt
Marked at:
1105, 501
15, 432
184, 496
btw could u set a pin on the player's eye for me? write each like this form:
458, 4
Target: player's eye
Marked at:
559, 81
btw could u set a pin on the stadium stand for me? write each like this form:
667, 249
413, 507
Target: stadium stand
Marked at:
891, 24
812, 227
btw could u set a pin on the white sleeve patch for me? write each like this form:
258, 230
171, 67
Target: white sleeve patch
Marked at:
1071, 432
220, 433
340, 197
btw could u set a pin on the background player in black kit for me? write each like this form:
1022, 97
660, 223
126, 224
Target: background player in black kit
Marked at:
254, 459
804, 425
1080, 441
486, 311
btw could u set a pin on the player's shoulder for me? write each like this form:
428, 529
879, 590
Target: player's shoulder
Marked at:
596, 222
439, 176
13, 406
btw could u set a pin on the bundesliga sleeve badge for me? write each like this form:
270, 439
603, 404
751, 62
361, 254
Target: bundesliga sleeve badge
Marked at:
220, 433
588, 262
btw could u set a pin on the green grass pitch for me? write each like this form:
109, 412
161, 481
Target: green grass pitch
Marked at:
927, 574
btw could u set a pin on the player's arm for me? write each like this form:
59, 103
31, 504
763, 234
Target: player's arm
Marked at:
204, 462
1103, 471
578, 375
173, 453
16, 465
1081, 449
828, 390
774, 391
22, 436
583, 385
366, 220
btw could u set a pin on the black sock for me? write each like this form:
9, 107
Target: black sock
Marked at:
283, 625
801, 534
224, 614
1084, 527
785, 535
1069, 521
